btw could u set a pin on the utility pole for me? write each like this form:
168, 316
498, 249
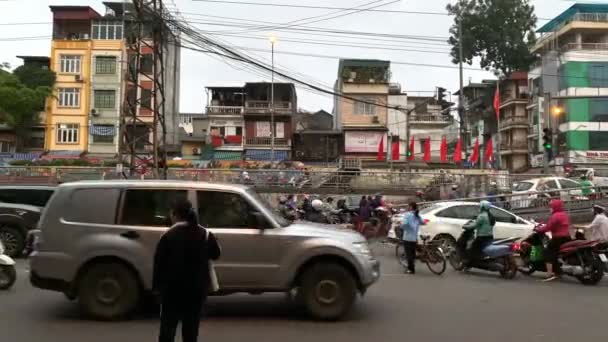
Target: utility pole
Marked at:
408, 167
547, 118
463, 123
272, 128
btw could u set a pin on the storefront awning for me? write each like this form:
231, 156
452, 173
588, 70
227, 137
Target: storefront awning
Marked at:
266, 155
227, 155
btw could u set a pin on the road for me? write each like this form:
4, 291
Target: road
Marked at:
455, 307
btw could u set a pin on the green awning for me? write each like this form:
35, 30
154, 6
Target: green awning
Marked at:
227, 155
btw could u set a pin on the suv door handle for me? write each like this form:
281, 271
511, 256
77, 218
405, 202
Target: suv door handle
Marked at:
131, 234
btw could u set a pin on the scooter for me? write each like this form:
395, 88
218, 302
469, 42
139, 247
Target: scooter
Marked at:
496, 257
578, 258
8, 274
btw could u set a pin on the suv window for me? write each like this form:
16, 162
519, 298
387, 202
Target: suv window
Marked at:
149, 207
548, 185
568, 184
224, 210
35, 197
503, 216
464, 212
93, 206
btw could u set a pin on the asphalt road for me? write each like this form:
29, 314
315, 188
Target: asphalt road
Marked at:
454, 307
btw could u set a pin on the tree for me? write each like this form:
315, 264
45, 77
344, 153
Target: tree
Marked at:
20, 103
498, 32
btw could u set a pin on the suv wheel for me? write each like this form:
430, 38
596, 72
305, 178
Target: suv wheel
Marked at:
328, 291
13, 241
108, 291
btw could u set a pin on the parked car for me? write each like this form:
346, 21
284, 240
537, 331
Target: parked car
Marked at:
16, 221
34, 195
526, 190
444, 221
98, 233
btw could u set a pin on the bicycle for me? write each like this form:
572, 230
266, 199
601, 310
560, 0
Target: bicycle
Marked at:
428, 252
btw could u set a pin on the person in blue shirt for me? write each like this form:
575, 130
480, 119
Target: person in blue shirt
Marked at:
410, 228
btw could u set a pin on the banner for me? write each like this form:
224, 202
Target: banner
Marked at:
362, 142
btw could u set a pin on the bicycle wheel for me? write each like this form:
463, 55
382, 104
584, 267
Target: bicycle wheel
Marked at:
400, 255
435, 260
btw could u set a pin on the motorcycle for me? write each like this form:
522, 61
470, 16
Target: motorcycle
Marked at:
578, 258
496, 257
8, 274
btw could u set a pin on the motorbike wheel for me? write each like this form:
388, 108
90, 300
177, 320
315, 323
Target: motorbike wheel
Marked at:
526, 270
510, 267
8, 276
456, 260
596, 273
435, 261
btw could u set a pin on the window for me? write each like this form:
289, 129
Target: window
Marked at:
548, 185
105, 65
218, 131
146, 98
503, 216
235, 211
35, 197
105, 99
365, 108
464, 212
146, 63
70, 64
6, 146
93, 206
103, 133
598, 140
598, 75
67, 133
106, 29
149, 207
523, 186
69, 97
568, 184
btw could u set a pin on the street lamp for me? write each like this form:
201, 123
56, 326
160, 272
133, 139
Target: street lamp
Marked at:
557, 110
273, 40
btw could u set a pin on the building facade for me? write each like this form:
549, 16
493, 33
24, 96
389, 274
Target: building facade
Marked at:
513, 125
362, 113
573, 75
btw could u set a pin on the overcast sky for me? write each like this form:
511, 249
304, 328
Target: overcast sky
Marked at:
199, 70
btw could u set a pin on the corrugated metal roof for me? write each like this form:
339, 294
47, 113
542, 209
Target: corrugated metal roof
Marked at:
556, 22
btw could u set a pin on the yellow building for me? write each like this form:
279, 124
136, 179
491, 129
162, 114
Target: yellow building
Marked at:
68, 111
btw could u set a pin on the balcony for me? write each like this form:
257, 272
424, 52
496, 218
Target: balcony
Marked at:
267, 142
227, 110
584, 46
517, 147
264, 107
513, 121
430, 119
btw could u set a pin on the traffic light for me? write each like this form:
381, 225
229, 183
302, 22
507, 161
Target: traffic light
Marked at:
408, 153
548, 142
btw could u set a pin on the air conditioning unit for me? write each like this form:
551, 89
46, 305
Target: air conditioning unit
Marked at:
78, 78
94, 112
375, 119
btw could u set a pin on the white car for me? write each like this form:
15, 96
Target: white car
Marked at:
528, 188
444, 221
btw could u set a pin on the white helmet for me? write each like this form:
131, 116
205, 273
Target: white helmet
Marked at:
317, 204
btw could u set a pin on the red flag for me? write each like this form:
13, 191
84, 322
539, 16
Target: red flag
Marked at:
475, 156
444, 150
427, 150
458, 151
411, 150
395, 151
497, 102
489, 154
381, 150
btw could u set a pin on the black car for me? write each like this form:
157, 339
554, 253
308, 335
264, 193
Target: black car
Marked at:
20, 208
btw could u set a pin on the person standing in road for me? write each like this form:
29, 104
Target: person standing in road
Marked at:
182, 273
558, 225
598, 230
411, 228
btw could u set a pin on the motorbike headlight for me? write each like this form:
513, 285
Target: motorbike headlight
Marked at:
363, 248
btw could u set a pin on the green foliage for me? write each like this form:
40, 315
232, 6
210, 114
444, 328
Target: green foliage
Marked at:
33, 76
498, 32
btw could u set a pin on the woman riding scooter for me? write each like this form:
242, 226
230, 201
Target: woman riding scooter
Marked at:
558, 225
484, 231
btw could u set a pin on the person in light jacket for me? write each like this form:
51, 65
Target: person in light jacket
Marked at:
181, 272
411, 228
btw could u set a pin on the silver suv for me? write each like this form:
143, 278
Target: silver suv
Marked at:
96, 241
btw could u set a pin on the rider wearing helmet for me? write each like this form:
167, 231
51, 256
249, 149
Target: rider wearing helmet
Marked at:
559, 227
598, 230
586, 186
316, 213
484, 230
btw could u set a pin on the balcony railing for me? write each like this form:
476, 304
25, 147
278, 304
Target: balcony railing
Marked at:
278, 142
516, 145
225, 109
266, 107
513, 121
584, 46
433, 119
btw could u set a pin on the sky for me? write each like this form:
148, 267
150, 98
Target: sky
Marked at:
199, 70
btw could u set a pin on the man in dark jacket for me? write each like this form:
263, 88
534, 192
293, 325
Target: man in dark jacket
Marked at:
181, 273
